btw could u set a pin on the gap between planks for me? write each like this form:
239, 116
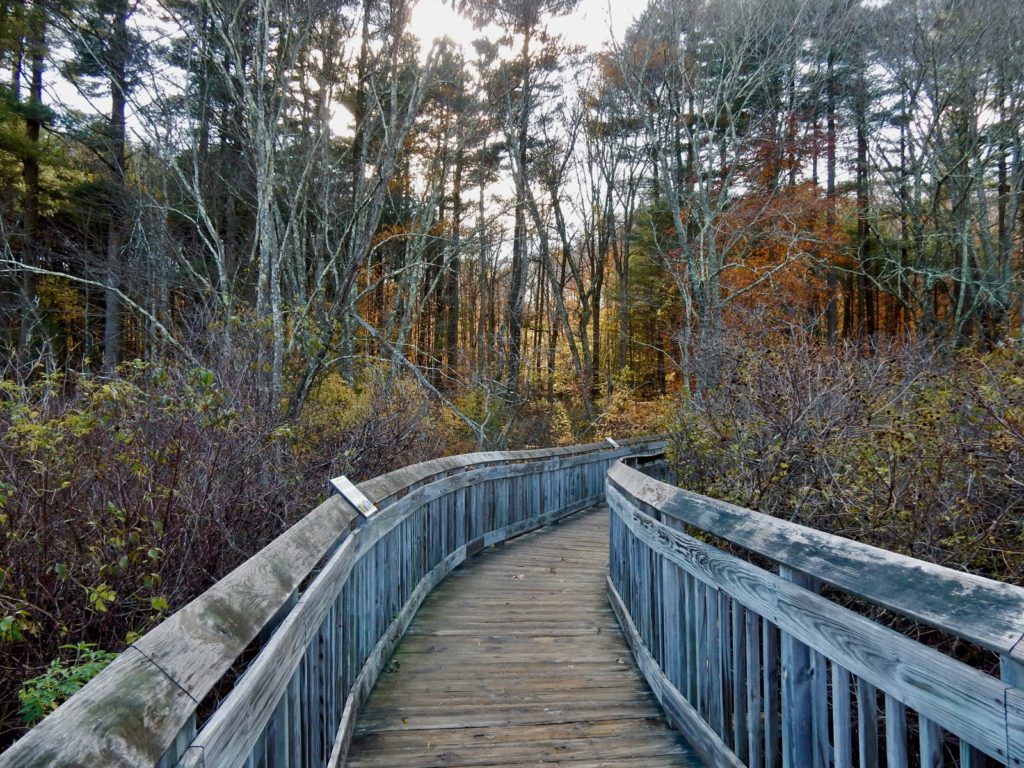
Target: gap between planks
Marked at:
515, 660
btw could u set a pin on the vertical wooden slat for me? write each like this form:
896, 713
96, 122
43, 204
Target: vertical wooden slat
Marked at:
671, 622
715, 642
772, 720
820, 710
867, 724
971, 756
739, 683
726, 661
755, 701
692, 645
701, 655
930, 743
842, 718
896, 734
797, 694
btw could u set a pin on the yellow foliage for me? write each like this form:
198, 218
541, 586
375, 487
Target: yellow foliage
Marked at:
62, 299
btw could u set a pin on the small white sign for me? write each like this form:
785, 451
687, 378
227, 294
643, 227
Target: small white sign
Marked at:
354, 496
612, 443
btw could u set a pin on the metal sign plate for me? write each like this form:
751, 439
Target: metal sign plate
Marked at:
354, 496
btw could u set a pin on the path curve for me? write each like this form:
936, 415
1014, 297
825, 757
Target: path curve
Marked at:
516, 659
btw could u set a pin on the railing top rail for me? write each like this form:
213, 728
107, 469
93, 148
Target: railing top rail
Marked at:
134, 709
986, 612
387, 486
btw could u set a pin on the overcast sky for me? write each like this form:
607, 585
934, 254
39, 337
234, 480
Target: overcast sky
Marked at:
588, 26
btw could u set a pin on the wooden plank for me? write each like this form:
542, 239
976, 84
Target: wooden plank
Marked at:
895, 734
986, 612
962, 700
820, 711
755, 700
930, 743
867, 724
739, 683
842, 718
772, 715
797, 711
515, 692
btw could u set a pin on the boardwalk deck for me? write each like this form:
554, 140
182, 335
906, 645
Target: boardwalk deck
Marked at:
517, 659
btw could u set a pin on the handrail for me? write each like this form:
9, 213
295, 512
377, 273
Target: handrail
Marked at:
385, 488
319, 651
754, 666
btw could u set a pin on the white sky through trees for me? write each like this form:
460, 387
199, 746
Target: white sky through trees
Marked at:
591, 25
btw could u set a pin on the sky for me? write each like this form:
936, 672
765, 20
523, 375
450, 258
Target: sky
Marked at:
591, 25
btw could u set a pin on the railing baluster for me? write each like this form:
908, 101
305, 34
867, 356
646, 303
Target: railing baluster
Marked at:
755, 699
739, 683
702, 704
895, 734
716, 698
692, 609
797, 691
819, 709
671, 647
842, 722
867, 724
772, 719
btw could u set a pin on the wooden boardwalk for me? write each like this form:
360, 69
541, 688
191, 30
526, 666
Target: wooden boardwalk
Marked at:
517, 659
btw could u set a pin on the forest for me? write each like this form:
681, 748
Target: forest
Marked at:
247, 245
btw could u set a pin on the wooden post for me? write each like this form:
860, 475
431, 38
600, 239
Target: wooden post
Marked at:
797, 687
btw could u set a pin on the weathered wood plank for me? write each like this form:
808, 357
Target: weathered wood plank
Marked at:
986, 612
697, 731
191, 650
550, 687
174, 666
895, 734
842, 722
960, 699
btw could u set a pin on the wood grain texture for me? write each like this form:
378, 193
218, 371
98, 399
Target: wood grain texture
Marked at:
517, 660
983, 711
133, 711
165, 674
387, 487
986, 612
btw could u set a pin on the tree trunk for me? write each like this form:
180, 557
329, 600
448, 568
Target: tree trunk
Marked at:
115, 230
36, 49
517, 288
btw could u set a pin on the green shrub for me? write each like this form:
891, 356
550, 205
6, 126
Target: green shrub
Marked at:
42, 694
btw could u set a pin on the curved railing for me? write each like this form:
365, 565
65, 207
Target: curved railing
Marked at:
319, 610
760, 669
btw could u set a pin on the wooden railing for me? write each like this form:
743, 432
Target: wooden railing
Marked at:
758, 668
319, 611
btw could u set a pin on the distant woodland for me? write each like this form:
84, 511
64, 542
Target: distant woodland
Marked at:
246, 245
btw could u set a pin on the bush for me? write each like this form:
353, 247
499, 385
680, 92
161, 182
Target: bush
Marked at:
41, 695
897, 448
124, 497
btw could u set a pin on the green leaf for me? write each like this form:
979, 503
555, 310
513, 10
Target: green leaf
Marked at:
100, 597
